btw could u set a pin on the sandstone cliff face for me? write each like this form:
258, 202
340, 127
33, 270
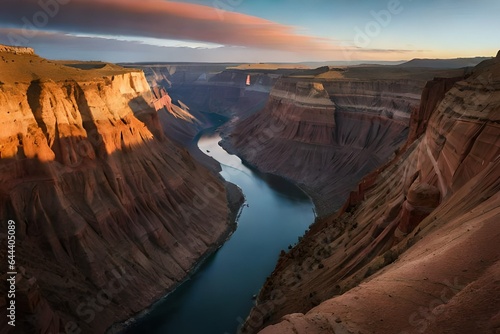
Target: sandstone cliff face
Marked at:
327, 134
202, 95
415, 249
179, 122
109, 213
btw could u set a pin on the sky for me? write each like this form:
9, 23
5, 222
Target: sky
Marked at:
252, 30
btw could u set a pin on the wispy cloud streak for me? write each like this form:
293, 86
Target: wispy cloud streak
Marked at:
165, 20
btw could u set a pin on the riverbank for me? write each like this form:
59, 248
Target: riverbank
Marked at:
235, 201
235, 197
220, 291
225, 143
235, 204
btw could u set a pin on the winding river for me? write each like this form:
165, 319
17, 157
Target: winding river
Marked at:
218, 296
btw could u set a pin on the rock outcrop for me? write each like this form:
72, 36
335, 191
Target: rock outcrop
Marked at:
415, 248
109, 213
178, 122
18, 50
204, 95
325, 132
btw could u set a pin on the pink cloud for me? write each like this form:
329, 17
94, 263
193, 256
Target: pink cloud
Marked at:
163, 19
57, 45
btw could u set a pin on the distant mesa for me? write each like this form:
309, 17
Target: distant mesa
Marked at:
18, 50
445, 63
268, 66
88, 65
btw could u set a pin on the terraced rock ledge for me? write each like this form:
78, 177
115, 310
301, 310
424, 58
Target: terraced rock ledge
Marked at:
415, 248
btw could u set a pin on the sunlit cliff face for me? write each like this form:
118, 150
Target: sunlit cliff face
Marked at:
96, 188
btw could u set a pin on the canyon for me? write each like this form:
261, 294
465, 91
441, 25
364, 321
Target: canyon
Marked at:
199, 96
325, 129
110, 214
414, 249
115, 205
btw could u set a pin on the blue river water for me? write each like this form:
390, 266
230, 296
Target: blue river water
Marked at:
218, 296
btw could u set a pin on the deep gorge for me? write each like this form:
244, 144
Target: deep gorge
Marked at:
100, 168
219, 294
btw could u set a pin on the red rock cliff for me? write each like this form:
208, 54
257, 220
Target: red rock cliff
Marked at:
418, 251
327, 133
109, 213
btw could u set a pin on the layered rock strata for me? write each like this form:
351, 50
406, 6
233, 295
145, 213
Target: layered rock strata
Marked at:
204, 95
415, 248
326, 134
109, 213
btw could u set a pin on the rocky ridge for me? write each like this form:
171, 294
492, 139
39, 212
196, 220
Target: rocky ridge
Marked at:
16, 50
204, 95
325, 132
109, 213
414, 249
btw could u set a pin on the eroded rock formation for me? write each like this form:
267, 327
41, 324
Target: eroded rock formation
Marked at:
415, 248
109, 213
202, 95
16, 50
328, 131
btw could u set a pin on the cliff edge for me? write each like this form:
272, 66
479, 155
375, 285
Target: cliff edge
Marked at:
18, 50
415, 248
109, 213
326, 130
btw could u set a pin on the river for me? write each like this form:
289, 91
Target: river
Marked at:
218, 296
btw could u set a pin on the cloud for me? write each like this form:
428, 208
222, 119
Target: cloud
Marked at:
56, 45
53, 45
157, 19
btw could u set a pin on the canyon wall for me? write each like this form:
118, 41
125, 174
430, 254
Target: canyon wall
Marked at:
109, 213
415, 248
326, 132
205, 95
